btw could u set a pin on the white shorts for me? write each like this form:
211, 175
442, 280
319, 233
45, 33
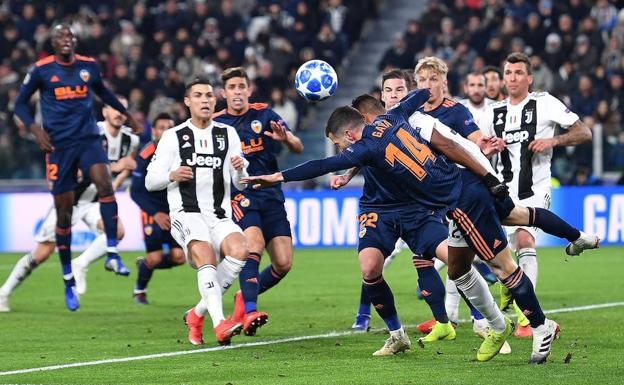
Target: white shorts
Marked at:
540, 199
88, 212
187, 227
455, 237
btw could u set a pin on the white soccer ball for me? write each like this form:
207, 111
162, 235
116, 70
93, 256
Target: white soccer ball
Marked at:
316, 80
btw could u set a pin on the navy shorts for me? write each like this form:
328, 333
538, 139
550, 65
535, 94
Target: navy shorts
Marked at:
422, 230
62, 165
477, 218
265, 211
154, 236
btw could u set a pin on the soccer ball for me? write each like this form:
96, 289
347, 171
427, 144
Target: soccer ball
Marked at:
316, 80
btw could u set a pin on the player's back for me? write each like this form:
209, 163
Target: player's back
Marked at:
407, 167
258, 148
66, 98
155, 200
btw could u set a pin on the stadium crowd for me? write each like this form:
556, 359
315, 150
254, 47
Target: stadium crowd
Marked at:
149, 49
577, 53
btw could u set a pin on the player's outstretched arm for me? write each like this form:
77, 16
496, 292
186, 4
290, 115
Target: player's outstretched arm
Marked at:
108, 97
577, 133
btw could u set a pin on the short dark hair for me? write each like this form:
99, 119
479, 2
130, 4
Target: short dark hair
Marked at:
489, 69
366, 103
234, 72
397, 74
341, 119
161, 116
473, 73
194, 82
519, 57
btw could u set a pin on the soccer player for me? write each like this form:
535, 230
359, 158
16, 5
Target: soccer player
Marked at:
195, 161
261, 214
526, 121
154, 215
120, 146
392, 145
476, 102
69, 137
493, 83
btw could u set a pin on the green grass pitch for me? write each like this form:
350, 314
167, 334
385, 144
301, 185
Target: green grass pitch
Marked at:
320, 295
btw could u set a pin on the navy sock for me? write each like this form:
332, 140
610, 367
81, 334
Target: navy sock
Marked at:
63, 243
144, 276
365, 302
248, 278
165, 262
269, 278
473, 311
108, 210
382, 299
552, 224
431, 287
522, 290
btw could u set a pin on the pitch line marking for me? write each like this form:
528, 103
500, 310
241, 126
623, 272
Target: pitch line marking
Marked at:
253, 344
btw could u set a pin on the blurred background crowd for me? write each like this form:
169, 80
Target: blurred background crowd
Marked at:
149, 49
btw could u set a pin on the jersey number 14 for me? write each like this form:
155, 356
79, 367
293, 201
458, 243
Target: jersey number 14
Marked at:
415, 159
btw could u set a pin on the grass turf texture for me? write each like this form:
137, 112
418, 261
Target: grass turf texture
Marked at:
319, 295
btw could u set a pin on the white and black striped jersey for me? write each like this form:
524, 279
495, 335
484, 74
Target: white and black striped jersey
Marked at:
480, 115
536, 117
117, 147
208, 152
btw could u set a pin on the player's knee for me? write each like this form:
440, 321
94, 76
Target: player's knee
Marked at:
120, 233
177, 257
524, 239
239, 251
63, 218
283, 266
256, 246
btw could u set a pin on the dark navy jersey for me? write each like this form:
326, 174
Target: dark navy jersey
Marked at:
455, 115
149, 201
66, 98
407, 168
259, 149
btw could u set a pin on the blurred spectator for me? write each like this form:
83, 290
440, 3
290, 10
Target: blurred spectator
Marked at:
533, 34
188, 65
519, 9
28, 23
121, 82
584, 101
583, 177
566, 32
584, 56
605, 14
397, 56
608, 119
125, 39
327, 47
228, 19
553, 55
543, 78
284, 107
612, 55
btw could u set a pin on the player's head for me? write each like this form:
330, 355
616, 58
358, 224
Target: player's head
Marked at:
430, 72
344, 126
63, 40
236, 90
493, 82
517, 75
395, 86
200, 99
162, 122
369, 106
114, 118
474, 87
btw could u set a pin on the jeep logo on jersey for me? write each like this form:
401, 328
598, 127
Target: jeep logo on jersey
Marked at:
200, 160
84, 75
516, 137
256, 126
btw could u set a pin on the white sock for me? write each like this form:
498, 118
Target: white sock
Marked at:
21, 270
227, 272
200, 309
437, 264
478, 293
452, 300
95, 251
527, 259
210, 292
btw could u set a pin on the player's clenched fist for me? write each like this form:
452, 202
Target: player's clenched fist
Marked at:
237, 162
182, 174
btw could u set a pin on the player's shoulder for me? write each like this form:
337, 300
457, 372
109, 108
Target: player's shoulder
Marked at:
83, 58
128, 131
147, 150
220, 114
44, 61
543, 97
498, 104
450, 103
259, 106
223, 125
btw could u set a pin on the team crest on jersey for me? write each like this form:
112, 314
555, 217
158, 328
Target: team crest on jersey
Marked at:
185, 137
245, 202
256, 126
148, 230
221, 142
528, 116
84, 75
499, 118
362, 231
